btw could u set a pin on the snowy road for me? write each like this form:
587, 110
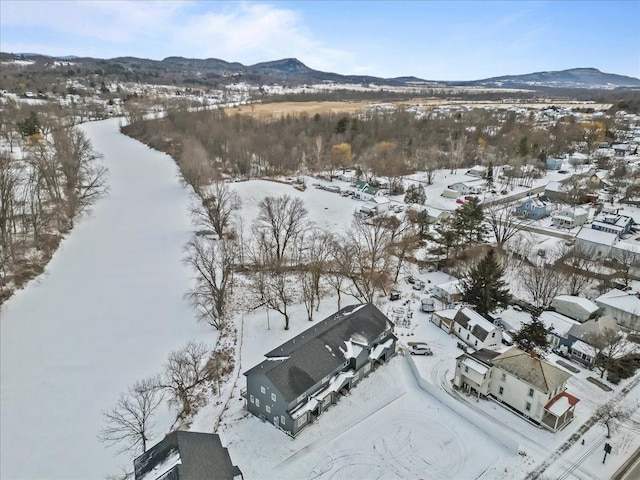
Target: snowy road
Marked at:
106, 313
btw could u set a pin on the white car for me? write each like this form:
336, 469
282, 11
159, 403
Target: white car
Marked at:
420, 349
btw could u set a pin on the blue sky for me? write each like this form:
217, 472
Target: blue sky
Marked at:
451, 40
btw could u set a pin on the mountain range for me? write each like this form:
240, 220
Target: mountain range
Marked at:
291, 71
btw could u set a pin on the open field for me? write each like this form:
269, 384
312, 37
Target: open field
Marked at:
278, 109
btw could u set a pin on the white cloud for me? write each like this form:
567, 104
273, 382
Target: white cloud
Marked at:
244, 32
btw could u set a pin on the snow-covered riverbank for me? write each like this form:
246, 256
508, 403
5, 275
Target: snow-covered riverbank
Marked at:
107, 312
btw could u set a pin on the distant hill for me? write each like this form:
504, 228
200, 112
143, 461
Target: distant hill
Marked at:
572, 78
288, 71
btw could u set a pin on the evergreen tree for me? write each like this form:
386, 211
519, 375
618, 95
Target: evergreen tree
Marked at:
446, 238
30, 125
468, 221
415, 194
489, 175
532, 335
484, 287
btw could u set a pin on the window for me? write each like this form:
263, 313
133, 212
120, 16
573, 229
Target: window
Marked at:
251, 398
367, 367
503, 377
501, 390
531, 392
257, 402
262, 390
466, 369
301, 421
476, 343
467, 336
282, 419
267, 408
493, 334
273, 397
527, 407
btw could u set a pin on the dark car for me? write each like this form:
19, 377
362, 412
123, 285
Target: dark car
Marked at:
563, 171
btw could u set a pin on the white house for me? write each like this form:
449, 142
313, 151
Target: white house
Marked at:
376, 205
477, 171
533, 387
624, 307
569, 217
471, 187
473, 372
476, 331
577, 308
595, 243
449, 292
443, 319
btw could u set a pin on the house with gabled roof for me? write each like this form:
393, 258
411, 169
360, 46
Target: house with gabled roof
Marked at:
304, 376
475, 330
624, 307
533, 388
185, 455
577, 308
534, 208
364, 191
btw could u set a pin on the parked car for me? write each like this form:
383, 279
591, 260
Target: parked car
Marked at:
563, 171
419, 348
469, 197
395, 295
398, 209
418, 285
410, 279
460, 201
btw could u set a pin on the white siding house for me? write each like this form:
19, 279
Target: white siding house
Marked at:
532, 387
624, 307
578, 308
476, 331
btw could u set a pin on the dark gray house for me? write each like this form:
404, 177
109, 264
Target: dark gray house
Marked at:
187, 456
302, 377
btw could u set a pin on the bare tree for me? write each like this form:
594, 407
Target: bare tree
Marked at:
219, 206
280, 221
213, 262
612, 416
542, 283
575, 269
130, 423
186, 374
195, 167
609, 345
10, 183
274, 287
504, 224
368, 246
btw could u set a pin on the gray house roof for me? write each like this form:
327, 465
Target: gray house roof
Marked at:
480, 326
536, 372
594, 326
186, 456
298, 364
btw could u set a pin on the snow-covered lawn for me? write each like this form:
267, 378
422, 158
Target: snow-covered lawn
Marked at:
106, 313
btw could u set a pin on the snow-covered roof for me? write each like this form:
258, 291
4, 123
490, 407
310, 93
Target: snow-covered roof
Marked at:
554, 186
620, 300
378, 349
584, 303
475, 323
597, 236
452, 288
475, 366
561, 403
532, 370
584, 348
560, 323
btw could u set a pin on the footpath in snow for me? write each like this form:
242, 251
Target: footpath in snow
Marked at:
106, 313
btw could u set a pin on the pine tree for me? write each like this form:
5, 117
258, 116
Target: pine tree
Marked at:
484, 287
468, 221
489, 176
532, 335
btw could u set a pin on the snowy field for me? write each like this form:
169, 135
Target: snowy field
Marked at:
106, 313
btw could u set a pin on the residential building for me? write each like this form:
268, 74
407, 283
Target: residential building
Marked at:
448, 293
554, 163
533, 387
187, 456
473, 372
444, 319
595, 244
577, 308
301, 378
471, 187
477, 171
579, 336
523, 382
556, 191
612, 223
569, 218
560, 325
364, 191
624, 307
476, 331
376, 205
534, 208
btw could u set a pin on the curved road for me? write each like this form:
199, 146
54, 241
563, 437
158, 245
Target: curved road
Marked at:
106, 313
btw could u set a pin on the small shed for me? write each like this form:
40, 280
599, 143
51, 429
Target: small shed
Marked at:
624, 307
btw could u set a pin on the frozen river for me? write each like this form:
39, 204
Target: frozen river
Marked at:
107, 312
